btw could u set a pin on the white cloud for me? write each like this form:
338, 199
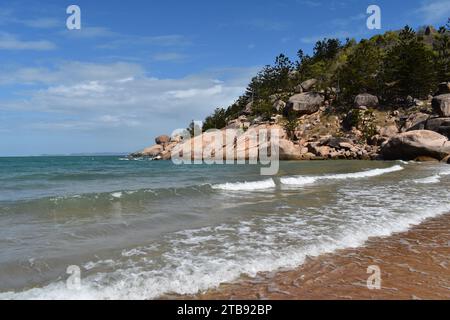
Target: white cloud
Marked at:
434, 11
169, 57
11, 42
8, 16
71, 72
332, 35
89, 33
42, 23
86, 96
349, 20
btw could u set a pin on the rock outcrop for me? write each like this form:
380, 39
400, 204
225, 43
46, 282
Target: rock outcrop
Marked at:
150, 152
298, 89
413, 144
366, 100
279, 105
321, 131
416, 121
439, 125
304, 103
388, 131
162, 140
308, 85
289, 151
444, 88
248, 109
441, 105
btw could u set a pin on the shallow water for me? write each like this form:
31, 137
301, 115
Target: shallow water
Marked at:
142, 229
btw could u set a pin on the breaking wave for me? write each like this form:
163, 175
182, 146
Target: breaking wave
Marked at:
304, 180
246, 186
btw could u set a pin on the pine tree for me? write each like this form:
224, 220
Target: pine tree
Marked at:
361, 73
215, 121
441, 47
409, 67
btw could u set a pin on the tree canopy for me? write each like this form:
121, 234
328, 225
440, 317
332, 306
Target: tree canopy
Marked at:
392, 66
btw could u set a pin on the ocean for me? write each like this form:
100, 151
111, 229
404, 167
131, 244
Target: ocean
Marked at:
146, 229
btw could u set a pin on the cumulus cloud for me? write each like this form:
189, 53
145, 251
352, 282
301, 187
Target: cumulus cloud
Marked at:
70, 72
89, 96
11, 42
434, 11
8, 16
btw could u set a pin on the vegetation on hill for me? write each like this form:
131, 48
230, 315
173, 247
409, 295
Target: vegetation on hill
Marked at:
395, 67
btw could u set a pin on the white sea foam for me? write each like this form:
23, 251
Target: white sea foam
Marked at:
433, 179
132, 252
90, 265
198, 259
299, 181
246, 186
189, 270
303, 180
117, 195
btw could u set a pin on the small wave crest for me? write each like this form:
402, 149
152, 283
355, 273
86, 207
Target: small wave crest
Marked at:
117, 195
434, 178
429, 180
299, 181
304, 180
246, 186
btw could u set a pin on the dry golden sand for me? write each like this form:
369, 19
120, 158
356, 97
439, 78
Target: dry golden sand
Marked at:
414, 265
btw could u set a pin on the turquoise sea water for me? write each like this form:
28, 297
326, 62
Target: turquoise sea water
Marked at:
141, 229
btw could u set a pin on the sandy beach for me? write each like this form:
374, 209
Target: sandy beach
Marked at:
413, 264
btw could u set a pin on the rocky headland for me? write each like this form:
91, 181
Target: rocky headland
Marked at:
419, 131
385, 98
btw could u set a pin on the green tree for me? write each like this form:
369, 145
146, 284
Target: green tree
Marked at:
409, 67
217, 120
290, 124
441, 47
319, 64
361, 72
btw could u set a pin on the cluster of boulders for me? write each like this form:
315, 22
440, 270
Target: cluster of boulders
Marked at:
406, 134
441, 106
424, 136
417, 145
306, 100
328, 147
161, 150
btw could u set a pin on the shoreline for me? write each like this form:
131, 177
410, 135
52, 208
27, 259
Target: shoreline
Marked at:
414, 264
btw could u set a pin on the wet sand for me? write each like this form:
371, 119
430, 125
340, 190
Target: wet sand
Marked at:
413, 265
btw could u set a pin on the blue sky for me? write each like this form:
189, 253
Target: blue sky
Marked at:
141, 68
